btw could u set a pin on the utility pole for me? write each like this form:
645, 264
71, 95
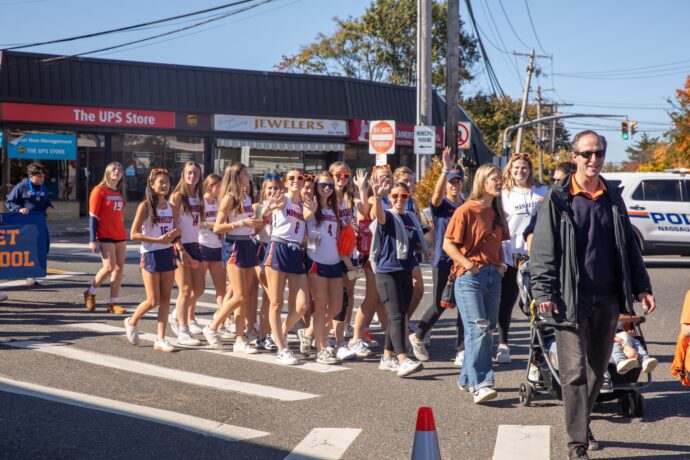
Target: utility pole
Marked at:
452, 83
424, 113
540, 150
525, 94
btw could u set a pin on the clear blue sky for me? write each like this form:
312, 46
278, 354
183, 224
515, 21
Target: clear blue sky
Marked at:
584, 36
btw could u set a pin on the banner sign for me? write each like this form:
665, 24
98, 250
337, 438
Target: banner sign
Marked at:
37, 146
275, 125
404, 133
23, 245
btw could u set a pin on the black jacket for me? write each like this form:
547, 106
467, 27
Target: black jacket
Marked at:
553, 255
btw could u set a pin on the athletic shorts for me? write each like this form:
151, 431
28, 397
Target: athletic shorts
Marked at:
110, 240
241, 253
194, 250
286, 258
162, 260
262, 253
324, 270
210, 254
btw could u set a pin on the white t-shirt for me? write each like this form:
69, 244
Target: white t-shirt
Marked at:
288, 223
206, 236
189, 223
519, 205
327, 251
248, 211
161, 225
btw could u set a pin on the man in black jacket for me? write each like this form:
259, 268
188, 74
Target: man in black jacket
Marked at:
586, 269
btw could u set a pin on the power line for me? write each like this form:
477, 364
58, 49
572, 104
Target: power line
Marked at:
641, 76
628, 70
529, 15
486, 8
500, 2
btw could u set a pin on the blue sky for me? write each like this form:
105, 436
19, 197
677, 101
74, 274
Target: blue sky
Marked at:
583, 37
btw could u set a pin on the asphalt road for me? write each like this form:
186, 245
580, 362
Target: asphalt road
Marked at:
94, 395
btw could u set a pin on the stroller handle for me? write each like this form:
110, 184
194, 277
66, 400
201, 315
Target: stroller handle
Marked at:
631, 319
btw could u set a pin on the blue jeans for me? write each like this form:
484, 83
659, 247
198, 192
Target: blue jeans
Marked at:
478, 297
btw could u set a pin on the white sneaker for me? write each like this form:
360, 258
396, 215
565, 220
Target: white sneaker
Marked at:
649, 364
349, 331
626, 365
427, 339
503, 355
225, 334
459, 358
344, 352
243, 346
163, 345
533, 374
359, 348
183, 338
194, 328
484, 394
305, 342
213, 338
418, 348
408, 367
251, 336
286, 357
172, 320
325, 356
389, 364
131, 331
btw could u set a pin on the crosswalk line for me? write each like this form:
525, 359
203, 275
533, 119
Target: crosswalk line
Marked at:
523, 442
259, 357
175, 419
22, 282
70, 352
324, 444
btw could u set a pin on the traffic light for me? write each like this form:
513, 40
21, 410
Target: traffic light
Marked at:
633, 128
624, 130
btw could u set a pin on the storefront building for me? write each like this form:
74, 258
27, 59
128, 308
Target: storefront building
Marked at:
78, 115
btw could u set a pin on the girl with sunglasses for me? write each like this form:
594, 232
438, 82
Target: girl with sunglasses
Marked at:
285, 263
396, 236
153, 226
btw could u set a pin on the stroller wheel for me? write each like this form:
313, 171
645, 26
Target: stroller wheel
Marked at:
525, 394
640, 405
627, 406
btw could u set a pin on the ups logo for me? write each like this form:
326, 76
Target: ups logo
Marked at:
192, 121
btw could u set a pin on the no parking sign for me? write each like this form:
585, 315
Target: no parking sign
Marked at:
464, 131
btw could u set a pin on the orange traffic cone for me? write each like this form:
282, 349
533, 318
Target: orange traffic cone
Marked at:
425, 445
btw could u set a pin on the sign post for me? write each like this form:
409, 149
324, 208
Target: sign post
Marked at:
382, 139
464, 134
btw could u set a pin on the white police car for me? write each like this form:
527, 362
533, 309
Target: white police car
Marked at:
659, 209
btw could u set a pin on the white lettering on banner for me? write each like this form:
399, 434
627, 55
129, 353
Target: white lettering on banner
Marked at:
242, 123
113, 117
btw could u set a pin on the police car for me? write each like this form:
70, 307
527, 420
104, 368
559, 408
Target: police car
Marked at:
659, 209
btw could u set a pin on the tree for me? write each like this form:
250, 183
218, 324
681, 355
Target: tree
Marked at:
642, 152
381, 46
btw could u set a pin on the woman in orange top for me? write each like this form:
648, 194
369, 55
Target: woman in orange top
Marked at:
473, 240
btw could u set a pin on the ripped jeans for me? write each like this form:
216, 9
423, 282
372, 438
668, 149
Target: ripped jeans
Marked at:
478, 297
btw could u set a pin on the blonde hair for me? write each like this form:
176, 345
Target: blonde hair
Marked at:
231, 185
479, 190
348, 193
183, 190
120, 187
210, 181
508, 181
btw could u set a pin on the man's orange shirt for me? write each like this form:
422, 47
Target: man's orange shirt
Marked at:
685, 314
107, 205
575, 189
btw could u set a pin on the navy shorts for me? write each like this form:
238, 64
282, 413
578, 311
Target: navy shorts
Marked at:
210, 254
286, 258
194, 250
241, 253
262, 253
162, 260
324, 270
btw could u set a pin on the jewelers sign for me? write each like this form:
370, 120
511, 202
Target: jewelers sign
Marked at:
276, 125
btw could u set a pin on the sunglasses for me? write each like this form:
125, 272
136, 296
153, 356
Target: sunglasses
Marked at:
377, 167
159, 171
295, 178
402, 196
520, 155
587, 154
309, 177
345, 176
325, 184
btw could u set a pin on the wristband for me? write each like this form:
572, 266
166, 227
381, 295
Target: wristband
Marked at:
446, 171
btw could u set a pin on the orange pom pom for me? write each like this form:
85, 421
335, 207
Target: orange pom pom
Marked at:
346, 243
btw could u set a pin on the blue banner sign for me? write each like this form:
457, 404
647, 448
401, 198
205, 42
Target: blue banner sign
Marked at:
23, 245
37, 146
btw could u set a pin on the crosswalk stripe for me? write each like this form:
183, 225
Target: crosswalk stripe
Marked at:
324, 444
523, 442
22, 282
259, 357
129, 365
175, 419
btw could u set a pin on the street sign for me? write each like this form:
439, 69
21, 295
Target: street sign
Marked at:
381, 159
464, 130
424, 140
382, 137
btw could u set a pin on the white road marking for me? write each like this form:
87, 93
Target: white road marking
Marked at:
22, 282
175, 419
268, 358
85, 247
136, 367
518, 442
324, 443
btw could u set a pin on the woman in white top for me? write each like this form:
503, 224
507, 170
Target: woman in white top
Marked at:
521, 197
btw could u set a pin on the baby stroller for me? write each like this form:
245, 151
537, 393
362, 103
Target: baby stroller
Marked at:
546, 379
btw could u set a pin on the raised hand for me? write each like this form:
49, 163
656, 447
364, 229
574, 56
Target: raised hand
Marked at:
447, 157
377, 186
275, 201
310, 203
360, 178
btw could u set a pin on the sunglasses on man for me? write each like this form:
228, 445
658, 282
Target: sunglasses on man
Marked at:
587, 154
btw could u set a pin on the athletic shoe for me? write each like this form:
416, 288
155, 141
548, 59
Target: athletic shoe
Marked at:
412, 327
592, 443
194, 328
459, 358
183, 338
212, 337
286, 357
31, 282
371, 341
427, 339
503, 355
418, 348
131, 331
463, 387
163, 345
484, 394
349, 331
116, 309
325, 356
626, 365
225, 333
172, 320
304, 341
578, 452
408, 367
89, 300
266, 343
533, 374
243, 346
344, 352
607, 385
251, 336
375, 322
389, 364
649, 364
359, 348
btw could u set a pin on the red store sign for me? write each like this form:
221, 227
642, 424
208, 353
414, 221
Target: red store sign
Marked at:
404, 134
93, 116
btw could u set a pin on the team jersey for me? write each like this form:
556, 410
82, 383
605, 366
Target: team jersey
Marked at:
247, 211
107, 205
519, 205
327, 250
347, 213
288, 223
189, 223
161, 225
206, 236
265, 233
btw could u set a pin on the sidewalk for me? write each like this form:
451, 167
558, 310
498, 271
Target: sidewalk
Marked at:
68, 228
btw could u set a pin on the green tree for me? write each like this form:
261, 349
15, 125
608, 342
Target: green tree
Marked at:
642, 152
381, 46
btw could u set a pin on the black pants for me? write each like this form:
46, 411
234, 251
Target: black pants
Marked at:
435, 310
395, 290
509, 294
583, 356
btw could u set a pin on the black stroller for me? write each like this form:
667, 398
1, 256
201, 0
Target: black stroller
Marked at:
546, 378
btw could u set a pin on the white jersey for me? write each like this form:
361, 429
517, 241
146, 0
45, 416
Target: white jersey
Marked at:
248, 211
265, 233
206, 236
161, 225
327, 251
288, 223
347, 214
519, 205
189, 223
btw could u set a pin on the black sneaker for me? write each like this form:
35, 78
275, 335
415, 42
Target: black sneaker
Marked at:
607, 385
578, 452
592, 443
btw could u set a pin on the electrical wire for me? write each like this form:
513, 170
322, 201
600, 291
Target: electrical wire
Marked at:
654, 66
500, 2
529, 15
486, 8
